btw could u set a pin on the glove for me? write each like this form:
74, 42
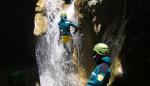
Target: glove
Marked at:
76, 29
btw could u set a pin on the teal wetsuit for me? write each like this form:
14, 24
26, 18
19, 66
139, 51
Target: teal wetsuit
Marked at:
65, 34
64, 26
101, 74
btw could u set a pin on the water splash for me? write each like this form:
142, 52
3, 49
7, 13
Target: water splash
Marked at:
50, 54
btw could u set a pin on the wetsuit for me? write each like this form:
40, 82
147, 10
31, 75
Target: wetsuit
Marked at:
101, 74
64, 27
66, 39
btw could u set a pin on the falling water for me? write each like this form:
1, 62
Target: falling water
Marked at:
50, 54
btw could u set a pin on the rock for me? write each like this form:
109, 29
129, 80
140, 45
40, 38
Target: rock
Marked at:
40, 19
40, 24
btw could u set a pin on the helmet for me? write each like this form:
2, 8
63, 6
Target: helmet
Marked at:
101, 48
63, 15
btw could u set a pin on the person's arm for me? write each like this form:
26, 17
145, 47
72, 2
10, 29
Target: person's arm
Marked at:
75, 25
98, 75
103, 74
93, 78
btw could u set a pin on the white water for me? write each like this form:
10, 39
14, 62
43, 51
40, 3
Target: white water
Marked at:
50, 54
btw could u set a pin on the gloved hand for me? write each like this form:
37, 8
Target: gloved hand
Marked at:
76, 29
74, 32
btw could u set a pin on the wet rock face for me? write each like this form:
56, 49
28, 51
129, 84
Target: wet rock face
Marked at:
136, 48
40, 21
17, 27
17, 40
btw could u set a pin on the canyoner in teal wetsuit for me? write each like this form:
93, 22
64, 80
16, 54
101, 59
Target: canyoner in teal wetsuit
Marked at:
65, 33
64, 25
101, 74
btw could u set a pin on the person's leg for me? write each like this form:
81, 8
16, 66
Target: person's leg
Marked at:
68, 52
71, 46
68, 59
68, 45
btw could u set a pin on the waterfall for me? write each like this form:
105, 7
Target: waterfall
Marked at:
50, 54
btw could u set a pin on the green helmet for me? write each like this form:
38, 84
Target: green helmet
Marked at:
63, 15
101, 48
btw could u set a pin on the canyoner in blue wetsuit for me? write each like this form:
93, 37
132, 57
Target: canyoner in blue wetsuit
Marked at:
65, 33
101, 74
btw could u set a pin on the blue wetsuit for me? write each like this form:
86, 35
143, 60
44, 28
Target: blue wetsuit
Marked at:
102, 69
65, 34
64, 26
